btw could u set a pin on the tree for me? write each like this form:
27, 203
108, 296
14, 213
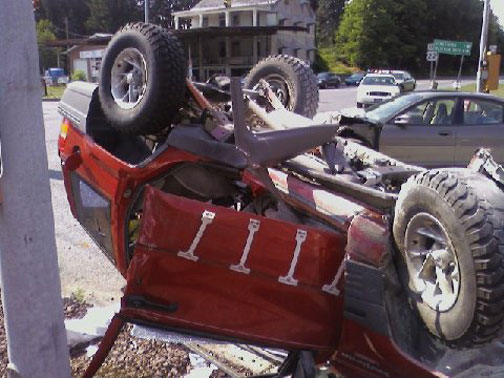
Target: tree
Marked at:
395, 33
47, 55
368, 35
61, 12
328, 17
107, 16
161, 11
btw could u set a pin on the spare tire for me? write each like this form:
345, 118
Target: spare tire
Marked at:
142, 80
291, 79
448, 229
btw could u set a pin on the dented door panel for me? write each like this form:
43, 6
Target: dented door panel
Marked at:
236, 273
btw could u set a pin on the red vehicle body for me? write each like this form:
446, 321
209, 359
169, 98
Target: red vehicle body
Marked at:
205, 269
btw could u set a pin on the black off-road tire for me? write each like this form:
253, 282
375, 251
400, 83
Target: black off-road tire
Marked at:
303, 96
470, 207
165, 84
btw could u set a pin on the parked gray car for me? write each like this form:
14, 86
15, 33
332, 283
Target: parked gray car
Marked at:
430, 128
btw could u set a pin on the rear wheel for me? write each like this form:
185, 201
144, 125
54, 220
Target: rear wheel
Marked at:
291, 79
142, 82
447, 227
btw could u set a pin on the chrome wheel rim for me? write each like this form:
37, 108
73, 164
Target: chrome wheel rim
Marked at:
432, 263
280, 88
129, 78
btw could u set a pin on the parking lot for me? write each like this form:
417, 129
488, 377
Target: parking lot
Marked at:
345, 97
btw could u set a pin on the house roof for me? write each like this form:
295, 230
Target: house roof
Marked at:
215, 4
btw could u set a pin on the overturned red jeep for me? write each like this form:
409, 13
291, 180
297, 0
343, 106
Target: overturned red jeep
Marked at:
233, 216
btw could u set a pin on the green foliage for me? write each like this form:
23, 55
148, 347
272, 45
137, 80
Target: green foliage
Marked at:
79, 295
107, 16
86, 17
326, 60
395, 33
368, 34
54, 92
47, 55
328, 17
78, 75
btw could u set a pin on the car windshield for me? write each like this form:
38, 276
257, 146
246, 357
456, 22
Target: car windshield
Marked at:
323, 75
356, 76
378, 80
398, 76
388, 109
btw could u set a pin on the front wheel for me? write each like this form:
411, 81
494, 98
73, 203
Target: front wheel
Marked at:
448, 229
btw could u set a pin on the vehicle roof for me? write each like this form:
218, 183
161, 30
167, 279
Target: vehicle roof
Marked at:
446, 93
380, 75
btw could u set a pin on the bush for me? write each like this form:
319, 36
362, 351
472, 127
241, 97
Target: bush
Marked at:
78, 75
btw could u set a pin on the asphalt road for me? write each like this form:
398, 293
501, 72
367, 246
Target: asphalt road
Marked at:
345, 97
83, 268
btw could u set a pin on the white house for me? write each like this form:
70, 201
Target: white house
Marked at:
230, 36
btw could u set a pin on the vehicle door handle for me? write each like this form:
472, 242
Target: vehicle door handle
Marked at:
444, 133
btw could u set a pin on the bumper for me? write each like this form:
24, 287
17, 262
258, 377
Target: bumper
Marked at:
371, 100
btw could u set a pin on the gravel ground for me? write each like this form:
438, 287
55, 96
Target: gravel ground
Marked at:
129, 358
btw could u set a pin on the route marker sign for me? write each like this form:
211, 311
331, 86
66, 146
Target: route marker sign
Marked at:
452, 47
432, 56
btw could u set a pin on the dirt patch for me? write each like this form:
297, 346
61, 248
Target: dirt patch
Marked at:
130, 357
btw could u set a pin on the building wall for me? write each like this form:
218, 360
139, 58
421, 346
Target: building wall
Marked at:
236, 54
93, 64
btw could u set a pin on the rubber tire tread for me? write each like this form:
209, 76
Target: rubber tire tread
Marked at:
478, 204
166, 84
298, 75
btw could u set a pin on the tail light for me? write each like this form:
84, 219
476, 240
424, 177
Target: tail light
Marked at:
65, 124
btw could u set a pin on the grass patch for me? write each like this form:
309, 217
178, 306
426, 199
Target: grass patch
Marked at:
54, 92
327, 54
79, 295
472, 88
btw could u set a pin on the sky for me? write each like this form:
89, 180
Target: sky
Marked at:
498, 9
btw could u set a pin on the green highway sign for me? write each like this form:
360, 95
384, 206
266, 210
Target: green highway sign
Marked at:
452, 47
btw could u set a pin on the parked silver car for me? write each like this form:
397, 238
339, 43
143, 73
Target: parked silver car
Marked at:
431, 128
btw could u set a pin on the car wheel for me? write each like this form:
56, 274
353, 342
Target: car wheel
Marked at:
360, 105
142, 80
447, 229
291, 79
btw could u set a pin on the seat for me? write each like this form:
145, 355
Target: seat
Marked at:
442, 117
428, 114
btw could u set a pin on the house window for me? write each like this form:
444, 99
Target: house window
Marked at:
222, 19
236, 20
222, 49
235, 48
205, 22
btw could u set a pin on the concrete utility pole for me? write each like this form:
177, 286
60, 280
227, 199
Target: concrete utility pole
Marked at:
146, 11
31, 292
483, 44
